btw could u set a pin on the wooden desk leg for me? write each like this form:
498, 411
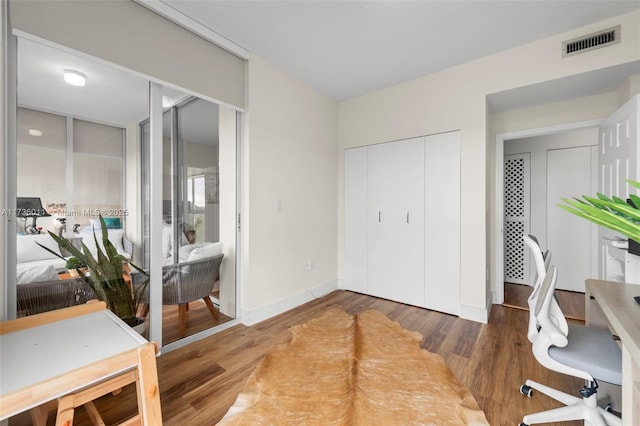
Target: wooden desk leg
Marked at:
147, 386
66, 410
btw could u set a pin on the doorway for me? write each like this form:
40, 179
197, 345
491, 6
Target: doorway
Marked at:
198, 172
539, 217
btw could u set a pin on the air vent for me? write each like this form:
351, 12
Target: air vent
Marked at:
592, 41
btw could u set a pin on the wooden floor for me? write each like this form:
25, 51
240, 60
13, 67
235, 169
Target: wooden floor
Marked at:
198, 319
199, 382
571, 303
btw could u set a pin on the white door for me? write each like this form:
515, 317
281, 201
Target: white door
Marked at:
396, 221
617, 158
355, 223
442, 222
569, 174
619, 150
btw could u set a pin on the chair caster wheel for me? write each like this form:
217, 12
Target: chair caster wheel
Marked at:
523, 424
526, 391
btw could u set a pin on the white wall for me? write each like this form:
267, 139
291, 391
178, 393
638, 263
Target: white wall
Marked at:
292, 159
456, 99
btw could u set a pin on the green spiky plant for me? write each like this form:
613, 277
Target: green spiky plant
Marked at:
105, 275
611, 212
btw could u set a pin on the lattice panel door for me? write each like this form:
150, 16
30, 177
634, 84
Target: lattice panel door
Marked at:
516, 217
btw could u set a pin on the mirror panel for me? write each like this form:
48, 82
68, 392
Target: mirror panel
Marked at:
92, 157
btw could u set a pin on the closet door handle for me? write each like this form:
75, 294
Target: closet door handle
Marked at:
379, 216
407, 217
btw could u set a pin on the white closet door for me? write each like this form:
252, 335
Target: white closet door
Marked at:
442, 222
355, 223
396, 221
568, 236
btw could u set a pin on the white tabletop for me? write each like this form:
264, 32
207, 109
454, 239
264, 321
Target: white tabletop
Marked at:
40, 353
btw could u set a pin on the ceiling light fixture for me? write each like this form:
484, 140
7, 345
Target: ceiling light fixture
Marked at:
35, 132
74, 78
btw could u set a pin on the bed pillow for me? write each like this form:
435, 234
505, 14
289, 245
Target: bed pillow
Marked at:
28, 249
114, 235
113, 222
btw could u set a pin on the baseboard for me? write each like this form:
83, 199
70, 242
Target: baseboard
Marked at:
252, 316
475, 314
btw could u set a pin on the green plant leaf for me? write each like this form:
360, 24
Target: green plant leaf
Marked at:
635, 184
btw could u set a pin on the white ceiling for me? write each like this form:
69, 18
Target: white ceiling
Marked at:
111, 96
341, 48
347, 48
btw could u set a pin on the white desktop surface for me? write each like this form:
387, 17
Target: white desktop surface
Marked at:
621, 310
37, 354
622, 314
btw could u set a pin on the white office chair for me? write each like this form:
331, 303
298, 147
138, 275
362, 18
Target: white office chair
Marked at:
584, 352
542, 261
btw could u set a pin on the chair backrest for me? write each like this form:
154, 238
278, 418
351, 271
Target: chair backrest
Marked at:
550, 323
35, 298
185, 282
553, 329
542, 261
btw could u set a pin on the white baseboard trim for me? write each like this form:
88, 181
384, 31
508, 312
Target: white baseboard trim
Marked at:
475, 314
252, 316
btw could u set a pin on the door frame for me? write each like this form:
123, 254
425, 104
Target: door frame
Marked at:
498, 279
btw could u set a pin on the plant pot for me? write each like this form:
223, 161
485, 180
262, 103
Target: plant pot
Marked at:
141, 325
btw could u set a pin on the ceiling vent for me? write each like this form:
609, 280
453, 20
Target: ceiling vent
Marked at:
592, 41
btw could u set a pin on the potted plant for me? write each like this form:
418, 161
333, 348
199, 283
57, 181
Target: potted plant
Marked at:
611, 212
105, 275
75, 266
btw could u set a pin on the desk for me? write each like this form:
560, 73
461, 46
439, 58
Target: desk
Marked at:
74, 355
622, 315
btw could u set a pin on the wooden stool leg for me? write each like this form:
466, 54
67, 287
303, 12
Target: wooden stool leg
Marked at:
212, 309
182, 320
94, 415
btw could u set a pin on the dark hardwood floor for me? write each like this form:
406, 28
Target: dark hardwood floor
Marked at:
199, 382
571, 303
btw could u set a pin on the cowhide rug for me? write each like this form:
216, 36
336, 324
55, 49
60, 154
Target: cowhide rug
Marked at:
341, 369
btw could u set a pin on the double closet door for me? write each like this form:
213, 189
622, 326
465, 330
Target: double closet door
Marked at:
402, 221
